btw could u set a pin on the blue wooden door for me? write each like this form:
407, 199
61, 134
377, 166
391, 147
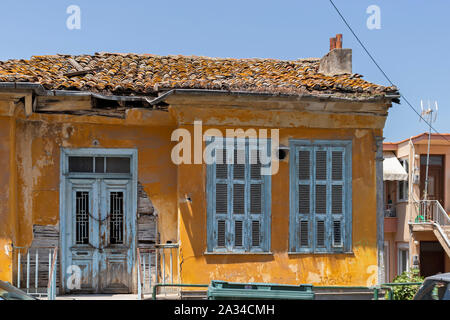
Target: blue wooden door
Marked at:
115, 264
81, 239
98, 243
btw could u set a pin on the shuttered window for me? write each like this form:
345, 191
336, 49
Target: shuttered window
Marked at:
238, 197
320, 196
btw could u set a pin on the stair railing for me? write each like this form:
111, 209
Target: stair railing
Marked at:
51, 286
31, 269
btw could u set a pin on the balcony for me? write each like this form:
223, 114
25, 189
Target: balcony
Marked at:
390, 224
390, 218
390, 210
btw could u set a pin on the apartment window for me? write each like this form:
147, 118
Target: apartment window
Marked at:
403, 258
320, 196
403, 186
238, 196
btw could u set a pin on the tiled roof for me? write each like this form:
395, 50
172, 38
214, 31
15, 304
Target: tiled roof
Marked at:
124, 74
419, 137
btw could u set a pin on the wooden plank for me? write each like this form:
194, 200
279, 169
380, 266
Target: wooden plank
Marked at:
45, 236
146, 229
14, 95
63, 103
145, 205
28, 105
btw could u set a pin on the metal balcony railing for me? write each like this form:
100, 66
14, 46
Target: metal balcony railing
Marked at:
429, 211
390, 210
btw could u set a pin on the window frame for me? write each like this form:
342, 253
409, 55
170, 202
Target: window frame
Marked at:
405, 185
402, 247
105, 165
265, 216
294, 219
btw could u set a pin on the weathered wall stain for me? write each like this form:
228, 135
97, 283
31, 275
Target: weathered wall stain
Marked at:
36, 162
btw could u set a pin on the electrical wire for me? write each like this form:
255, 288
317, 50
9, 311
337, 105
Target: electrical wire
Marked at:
382, 71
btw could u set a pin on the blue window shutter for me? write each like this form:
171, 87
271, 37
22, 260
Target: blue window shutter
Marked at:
347, 219
238, 233
221, 233
301, 189
238, 202
255, 233
239, 198
258, 223
338, 181
304, 233
321, 198
323, 224
219, 196
211, 227
265, 222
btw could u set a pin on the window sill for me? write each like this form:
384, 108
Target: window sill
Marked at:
320, 253
237, 253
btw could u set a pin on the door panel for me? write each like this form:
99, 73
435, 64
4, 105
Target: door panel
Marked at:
116, 236
83, 238
87, 273
99, 245
115, 277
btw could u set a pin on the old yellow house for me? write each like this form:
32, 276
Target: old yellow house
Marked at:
95, 157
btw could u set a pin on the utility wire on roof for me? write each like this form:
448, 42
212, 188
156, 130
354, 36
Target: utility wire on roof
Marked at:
382, 71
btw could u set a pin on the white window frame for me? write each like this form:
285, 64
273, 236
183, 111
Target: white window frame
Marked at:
402, 247
405, 185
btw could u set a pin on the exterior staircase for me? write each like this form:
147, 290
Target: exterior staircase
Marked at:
444, 239
429, 214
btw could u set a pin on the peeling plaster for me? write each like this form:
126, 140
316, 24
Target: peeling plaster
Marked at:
7, 249
359, 133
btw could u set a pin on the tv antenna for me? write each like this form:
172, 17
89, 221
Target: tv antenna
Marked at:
430, 114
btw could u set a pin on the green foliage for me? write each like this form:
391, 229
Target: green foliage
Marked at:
406, 292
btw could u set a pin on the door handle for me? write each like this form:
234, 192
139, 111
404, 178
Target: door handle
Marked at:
79, 253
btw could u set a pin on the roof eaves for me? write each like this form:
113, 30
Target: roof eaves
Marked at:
329, 97
38, 89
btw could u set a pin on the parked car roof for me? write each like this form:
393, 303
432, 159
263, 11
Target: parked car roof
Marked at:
440, 277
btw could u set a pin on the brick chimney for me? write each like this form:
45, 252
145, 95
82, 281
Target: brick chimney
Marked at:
338, 61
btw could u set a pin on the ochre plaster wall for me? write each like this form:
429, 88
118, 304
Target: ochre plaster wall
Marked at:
357, 268
30, 178
31, 182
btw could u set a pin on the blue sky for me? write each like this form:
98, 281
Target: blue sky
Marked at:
412, 45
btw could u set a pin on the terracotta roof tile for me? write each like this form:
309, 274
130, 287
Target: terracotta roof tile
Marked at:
121, 74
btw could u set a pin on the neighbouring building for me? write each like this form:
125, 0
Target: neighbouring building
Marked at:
89, 150
417, 230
